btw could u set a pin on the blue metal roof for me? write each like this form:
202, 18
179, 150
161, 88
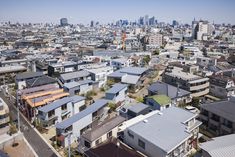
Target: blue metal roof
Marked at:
133, 70
58, 103
116, 88
89, 110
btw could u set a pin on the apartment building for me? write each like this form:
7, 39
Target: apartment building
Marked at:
218, 117
76, 125
170, 133
196, 85
60, 110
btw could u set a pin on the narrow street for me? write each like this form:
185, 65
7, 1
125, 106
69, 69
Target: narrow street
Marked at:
39, 146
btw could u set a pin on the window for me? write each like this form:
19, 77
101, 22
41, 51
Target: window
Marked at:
109, 134
129, 134
87, 144
51, 113
97, 141
64, 107
141, 144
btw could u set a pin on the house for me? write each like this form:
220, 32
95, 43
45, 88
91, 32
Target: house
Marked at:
158, 102
117, 93
218, 117
22, 78
80, 87
101, 133
33, 98
74, 76
136, 110
196, 85
176, 94
221, 86
60, 110
170, 133
121, 62
223, 146
40, 81
133, 76
4, 117
62, 67
80, 122
100, 74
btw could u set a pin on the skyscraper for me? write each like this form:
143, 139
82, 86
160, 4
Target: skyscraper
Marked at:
63, 22
146, 20
152, 21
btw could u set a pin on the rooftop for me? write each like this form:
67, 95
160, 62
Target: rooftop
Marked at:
116, 88
28, 75
220, 146
89, 110
136, 108
73, 75
166, 137
104, 128
225, 109
9, 69
161, 99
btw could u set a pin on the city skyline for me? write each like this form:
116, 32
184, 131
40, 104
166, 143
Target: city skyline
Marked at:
108, 11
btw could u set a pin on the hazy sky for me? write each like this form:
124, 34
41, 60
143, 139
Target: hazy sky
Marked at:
83, 11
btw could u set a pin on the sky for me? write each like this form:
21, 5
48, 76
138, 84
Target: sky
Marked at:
108, 11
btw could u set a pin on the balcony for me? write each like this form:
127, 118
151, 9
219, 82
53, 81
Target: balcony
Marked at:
214, 122
204, 117
198, 87
199, 94
4, 120
226, 128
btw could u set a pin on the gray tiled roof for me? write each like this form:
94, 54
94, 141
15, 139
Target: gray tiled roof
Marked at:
39, 81
104, 128
28, 75
225, 109
89, 110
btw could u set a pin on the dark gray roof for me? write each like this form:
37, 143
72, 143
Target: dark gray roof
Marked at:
73, 75
225, 109
39, 81
104, 128
58, 103
116, 88
77, 84
160, 88
89, 110
28, 75
133, 70
136, 108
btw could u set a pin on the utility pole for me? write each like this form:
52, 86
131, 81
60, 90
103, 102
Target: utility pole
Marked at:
69, 141
18, 110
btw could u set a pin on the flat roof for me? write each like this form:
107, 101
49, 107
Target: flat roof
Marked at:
225, 109
77, 84
223, 146
136, 108
28, 75
76, 74
165, 130
133, 70
8, 69
89, 110
116, 88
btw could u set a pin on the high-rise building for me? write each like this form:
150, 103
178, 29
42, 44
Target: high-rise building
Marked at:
63, 22
202, 30
175, 23
92, 24
141, 21
146, 20
152, 21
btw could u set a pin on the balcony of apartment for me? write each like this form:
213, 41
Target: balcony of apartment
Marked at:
4, 120
227, 128
204, 116
199, 86
214, 121
200, 93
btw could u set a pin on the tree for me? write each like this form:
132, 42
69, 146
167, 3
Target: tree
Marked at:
112, 106
196, 102
156, 52
146, 59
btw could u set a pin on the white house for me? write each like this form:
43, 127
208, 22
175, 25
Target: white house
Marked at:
60, 110
117, 93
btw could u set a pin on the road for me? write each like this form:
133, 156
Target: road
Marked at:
38, 144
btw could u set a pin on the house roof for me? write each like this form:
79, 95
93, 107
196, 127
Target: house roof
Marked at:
166, 89
58, 103
161, 99
73, 75
220, 146
104, 128
136, 108
77, 84
28, 75
225, 109
116, 88
89, 110
133, 70
165, 130
39, 81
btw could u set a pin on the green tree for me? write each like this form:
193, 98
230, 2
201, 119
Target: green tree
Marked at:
196, 102
146, 59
